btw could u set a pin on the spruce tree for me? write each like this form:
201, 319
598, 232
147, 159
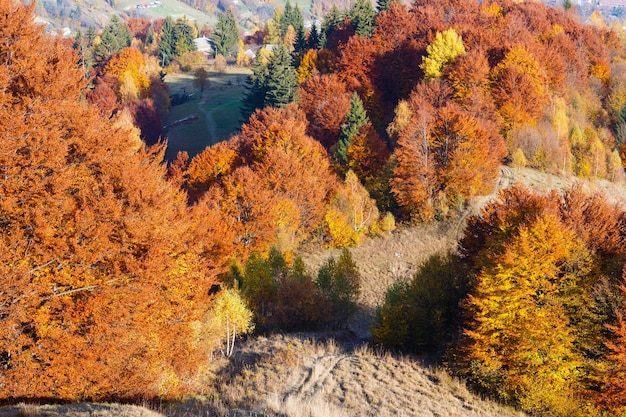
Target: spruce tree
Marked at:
167, 42
256, 87
357, 117
331, 21
226, 33
184, 34
363, 17
150, 35
301, 41
282, 80
90, 35
274, 84
313, 42
115, 37
383, 5
121, 32
297, 21
285, 19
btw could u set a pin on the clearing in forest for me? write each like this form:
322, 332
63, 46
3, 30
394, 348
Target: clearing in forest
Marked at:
215, 115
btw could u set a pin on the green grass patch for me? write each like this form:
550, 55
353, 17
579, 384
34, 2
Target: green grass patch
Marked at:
216, 114
173, 8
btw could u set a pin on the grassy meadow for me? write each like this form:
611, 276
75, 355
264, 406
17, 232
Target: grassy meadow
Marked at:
175, 9
216, 113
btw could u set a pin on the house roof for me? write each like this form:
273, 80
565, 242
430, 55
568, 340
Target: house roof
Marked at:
204, 44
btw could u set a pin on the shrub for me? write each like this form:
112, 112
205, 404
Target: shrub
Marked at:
421, 315
281, 296
339, 282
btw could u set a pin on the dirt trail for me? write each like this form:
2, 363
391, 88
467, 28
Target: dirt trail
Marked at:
321, 380
313, 378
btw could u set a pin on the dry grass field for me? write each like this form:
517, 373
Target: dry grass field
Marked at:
297, 376
336, 374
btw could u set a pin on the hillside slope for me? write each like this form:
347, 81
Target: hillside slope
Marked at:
295, 375
383, 260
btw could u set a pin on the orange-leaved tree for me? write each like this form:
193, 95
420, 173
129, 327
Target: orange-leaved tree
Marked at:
272, 182
326, 102
105, 269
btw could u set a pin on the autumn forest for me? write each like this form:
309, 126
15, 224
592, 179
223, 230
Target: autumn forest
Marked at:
125, 274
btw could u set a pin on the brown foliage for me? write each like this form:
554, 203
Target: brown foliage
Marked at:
139, 27
367, 153
210, 165
613, 393
104, 96
354, 66
326, 102
442, 152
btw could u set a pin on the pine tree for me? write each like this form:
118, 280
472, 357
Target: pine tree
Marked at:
357, 118
83, 45
291, 17
115, 37
301, 41
256, 88
282, 80
331, 21
150, 35
313, 41
184, 34
226, 33
363, 17
385, 5
90, 35
167, 42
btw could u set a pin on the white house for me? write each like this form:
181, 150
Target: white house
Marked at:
205, 45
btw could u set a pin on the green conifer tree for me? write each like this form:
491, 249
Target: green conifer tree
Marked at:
357, 117
313, 41
115, 37
256, 88
283, 23
184, 33
150, 35
167, 42
226, 33
363, 17
383, 5
282, 80
331, 21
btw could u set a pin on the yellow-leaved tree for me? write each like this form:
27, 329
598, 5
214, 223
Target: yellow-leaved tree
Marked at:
444, 49
520, 342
